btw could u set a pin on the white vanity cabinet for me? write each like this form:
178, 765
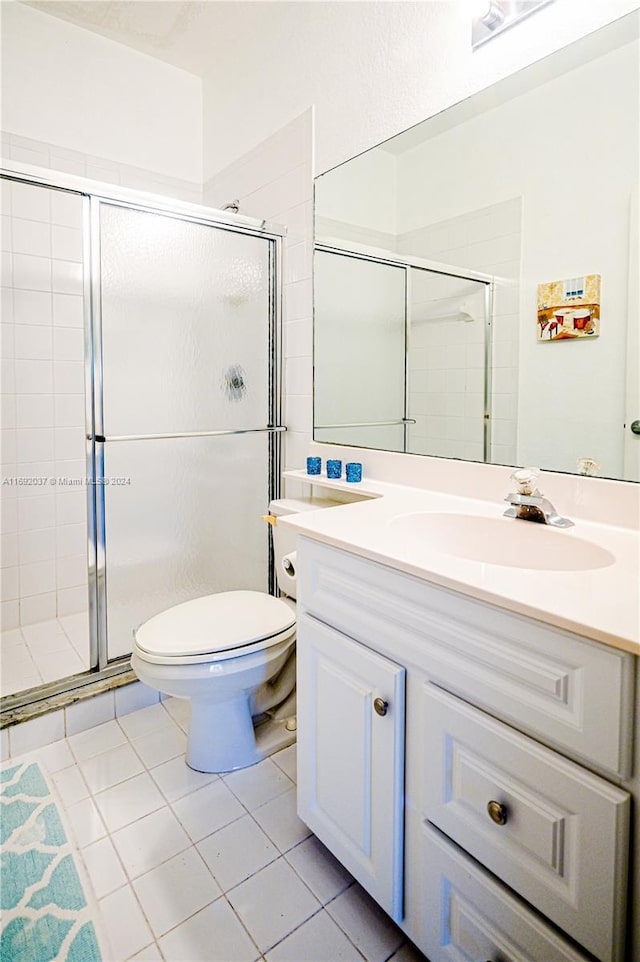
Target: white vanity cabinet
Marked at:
517, 752
351, 757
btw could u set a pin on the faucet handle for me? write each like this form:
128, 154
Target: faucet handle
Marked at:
526, 479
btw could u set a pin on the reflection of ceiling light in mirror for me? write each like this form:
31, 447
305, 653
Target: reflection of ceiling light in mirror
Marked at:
491, 17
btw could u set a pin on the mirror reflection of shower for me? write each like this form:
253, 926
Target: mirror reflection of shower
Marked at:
410, 346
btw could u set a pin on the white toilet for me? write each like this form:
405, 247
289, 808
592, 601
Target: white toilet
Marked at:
233, 655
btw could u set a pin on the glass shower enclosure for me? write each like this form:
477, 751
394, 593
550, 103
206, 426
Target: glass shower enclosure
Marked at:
182, 352
402, 354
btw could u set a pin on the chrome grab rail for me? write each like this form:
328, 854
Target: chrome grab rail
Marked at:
102, 439
365, 424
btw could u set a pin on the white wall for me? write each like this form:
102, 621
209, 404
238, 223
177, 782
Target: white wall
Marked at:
370, 69
346, 195
67, 86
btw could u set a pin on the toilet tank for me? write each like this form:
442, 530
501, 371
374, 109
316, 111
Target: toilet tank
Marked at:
284, 539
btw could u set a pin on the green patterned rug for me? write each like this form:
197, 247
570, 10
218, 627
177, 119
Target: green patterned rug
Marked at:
45, 915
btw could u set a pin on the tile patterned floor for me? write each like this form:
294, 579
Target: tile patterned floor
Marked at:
43, 652
188, 867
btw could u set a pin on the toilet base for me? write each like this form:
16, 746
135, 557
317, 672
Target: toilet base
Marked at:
209, 747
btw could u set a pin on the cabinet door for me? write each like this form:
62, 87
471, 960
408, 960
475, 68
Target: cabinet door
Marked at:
351, 756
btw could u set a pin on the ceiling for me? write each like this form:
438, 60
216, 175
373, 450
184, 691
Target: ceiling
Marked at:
184, 33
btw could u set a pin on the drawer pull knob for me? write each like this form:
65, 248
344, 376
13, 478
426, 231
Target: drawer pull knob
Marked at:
497, 812
381, 706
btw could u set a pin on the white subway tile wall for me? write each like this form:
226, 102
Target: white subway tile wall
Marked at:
274, 181
54, 157
43, 415
487, 240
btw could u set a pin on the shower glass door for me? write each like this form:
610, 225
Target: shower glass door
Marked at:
185, 328
359, 350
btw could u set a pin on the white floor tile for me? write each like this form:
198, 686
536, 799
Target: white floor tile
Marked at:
175, 779
156, 815
318, 940
366, 924
70, 785
279, 819
126, 927
10, 638
85, 822
287, 760
56, 757
160, 746
42, 632
150, 954
128, 801
210, 808
317, 867
258, 784
76, 626
180, 711
59, 664
145, 721
47, 644
272, 903
111, 767
194, 941
13, 680
103, 868
95, 740
150, 841
237, 851
175, 890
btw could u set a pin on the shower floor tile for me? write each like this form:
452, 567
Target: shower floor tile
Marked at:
217, 842
43, 652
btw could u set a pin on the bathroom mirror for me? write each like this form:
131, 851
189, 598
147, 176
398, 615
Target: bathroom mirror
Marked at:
476, 276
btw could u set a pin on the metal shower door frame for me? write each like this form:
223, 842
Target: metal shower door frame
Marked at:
93, 194
100, 439
360, 252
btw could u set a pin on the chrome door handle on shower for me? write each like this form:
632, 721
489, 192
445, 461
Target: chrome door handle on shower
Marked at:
102, 439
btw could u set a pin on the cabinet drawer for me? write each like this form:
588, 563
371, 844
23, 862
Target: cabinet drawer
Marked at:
572, 693
564, 839
469, 915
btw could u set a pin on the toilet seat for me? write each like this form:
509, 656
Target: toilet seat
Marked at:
215, 628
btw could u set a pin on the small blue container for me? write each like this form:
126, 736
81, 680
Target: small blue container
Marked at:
314, 465
334, 469
354, 471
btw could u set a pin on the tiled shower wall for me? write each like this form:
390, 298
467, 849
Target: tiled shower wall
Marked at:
274, 181
487, 240
44, 564
53, 157
44, 560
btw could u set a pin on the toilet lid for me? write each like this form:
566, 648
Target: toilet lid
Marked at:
216, 623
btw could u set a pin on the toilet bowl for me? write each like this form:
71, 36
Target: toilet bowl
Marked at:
233, 655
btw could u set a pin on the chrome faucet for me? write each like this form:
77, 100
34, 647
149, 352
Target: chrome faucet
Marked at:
529, 504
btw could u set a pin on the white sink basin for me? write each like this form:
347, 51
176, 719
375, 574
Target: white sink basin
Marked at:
509, 542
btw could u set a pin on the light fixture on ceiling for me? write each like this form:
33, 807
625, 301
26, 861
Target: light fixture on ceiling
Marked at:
491, 17
490, 13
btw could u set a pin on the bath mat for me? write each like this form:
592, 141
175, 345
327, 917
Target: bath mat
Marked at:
45, 913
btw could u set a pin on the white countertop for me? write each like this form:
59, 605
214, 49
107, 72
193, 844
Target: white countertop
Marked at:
602, 604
